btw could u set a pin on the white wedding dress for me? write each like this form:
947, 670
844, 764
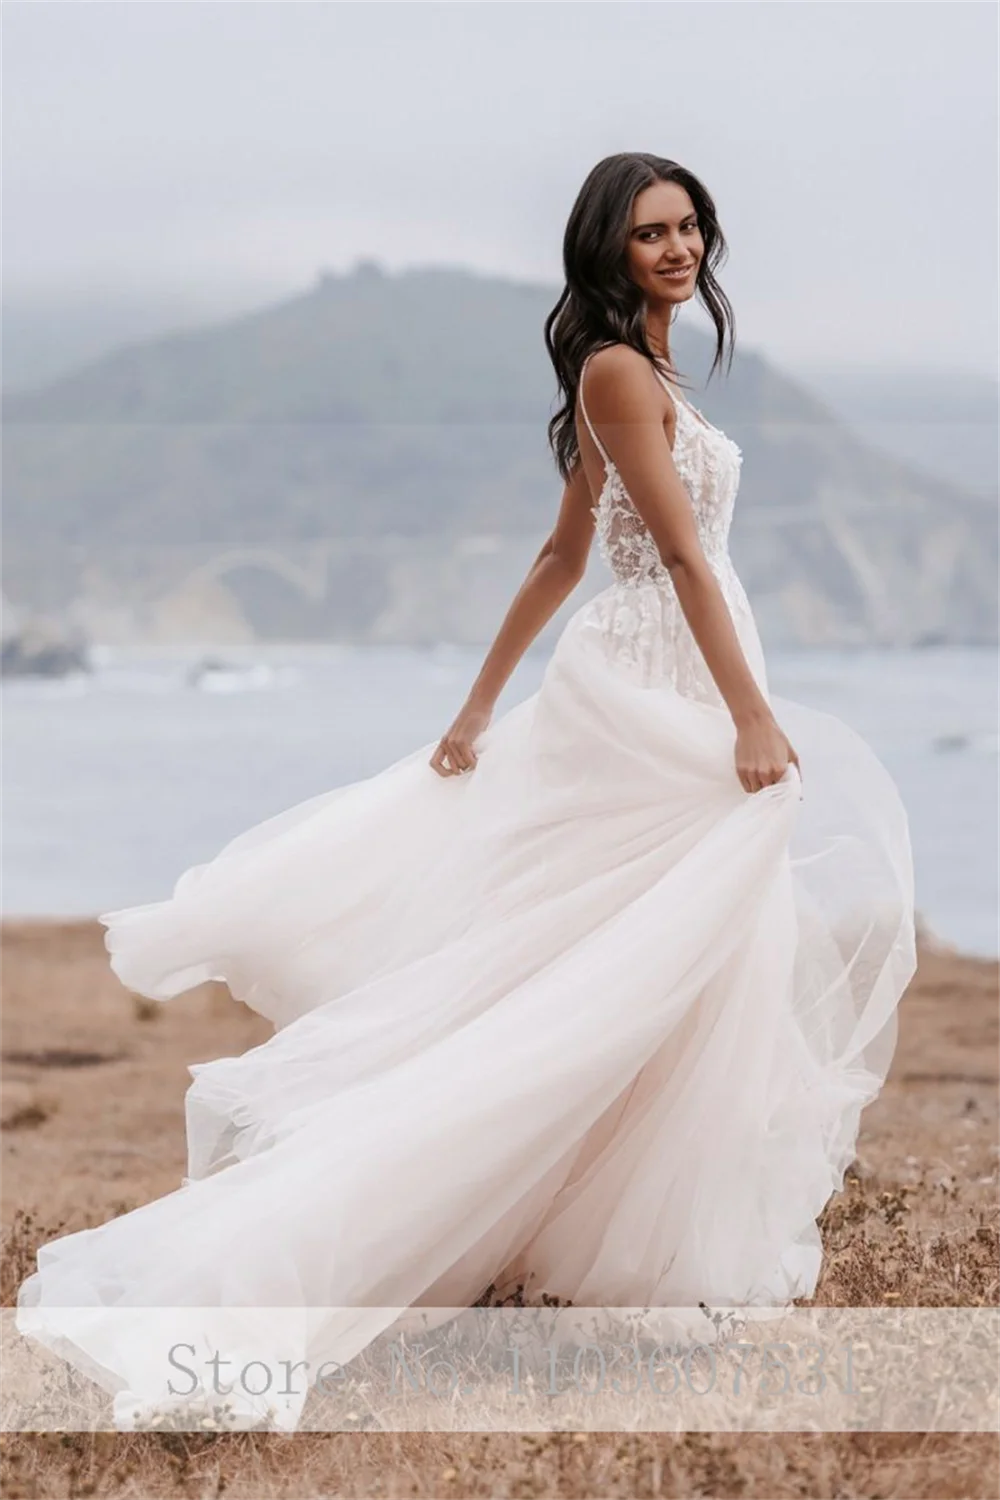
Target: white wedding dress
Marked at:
591, 1019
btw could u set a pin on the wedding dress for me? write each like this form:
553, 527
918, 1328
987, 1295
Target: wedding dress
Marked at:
590, 1019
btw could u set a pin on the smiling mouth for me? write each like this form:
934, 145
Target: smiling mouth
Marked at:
678, 274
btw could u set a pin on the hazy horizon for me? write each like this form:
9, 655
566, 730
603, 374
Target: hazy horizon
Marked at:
48, 336
207, 159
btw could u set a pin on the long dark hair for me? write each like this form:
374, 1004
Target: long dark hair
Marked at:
600, 303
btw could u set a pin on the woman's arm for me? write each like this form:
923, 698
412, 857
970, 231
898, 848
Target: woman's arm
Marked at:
550, 580
625, 403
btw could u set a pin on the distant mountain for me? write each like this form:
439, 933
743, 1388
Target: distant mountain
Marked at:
944, 422
367, 461
49, 332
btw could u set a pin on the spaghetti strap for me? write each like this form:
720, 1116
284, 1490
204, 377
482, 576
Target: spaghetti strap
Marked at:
608, 460
677, 400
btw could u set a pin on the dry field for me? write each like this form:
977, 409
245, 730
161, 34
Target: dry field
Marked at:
93, 1125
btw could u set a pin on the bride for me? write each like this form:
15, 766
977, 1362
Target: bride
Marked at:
585, 1000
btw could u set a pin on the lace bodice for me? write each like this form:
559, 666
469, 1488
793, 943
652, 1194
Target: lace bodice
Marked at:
638, 618
709, 464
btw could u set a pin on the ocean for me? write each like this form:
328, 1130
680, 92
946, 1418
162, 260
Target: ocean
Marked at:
115, 782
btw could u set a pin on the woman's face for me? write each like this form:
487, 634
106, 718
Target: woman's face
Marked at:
664, 236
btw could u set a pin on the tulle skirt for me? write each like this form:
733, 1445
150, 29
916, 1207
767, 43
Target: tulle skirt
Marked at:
591, 1020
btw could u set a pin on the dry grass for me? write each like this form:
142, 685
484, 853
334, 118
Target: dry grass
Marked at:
753, 1466
93, 1122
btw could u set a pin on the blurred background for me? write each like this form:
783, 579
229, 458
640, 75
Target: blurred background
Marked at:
275, 391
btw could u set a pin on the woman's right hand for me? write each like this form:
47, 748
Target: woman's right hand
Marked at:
763, 754
456, 749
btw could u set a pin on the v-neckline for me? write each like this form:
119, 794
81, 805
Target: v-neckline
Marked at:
698, 415
692, 409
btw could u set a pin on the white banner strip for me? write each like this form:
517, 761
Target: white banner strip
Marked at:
505, 1369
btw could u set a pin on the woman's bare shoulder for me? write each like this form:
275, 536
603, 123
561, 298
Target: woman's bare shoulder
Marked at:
621, 381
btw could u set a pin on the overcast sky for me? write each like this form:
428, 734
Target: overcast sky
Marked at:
851, 149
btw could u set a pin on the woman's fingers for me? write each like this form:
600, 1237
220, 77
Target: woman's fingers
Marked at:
443, 761
756, 778
452, 758
437, 761
462, 754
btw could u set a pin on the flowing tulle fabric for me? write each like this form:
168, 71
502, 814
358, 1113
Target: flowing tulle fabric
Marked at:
591, 1019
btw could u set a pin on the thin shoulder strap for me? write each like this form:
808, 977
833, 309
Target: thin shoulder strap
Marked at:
590, 426
674, 395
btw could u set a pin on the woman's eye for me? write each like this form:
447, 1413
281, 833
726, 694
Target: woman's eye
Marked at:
654, 234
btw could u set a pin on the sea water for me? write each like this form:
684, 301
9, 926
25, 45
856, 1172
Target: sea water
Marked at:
116, 781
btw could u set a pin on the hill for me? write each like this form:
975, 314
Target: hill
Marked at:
367, 461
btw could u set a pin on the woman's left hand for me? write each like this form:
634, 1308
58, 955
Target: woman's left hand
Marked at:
763, 754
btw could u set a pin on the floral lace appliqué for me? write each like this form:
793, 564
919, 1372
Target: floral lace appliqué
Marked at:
638, 620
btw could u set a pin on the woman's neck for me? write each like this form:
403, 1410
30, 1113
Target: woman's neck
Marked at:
657, 331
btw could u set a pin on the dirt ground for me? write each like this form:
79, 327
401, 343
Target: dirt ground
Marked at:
93, 1125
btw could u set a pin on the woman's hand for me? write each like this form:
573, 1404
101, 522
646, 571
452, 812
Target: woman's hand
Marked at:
456, 752
763, 754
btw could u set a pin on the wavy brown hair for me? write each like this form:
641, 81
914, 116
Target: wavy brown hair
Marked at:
600, 303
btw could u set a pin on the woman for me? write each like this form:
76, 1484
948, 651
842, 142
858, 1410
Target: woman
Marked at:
596, 1020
